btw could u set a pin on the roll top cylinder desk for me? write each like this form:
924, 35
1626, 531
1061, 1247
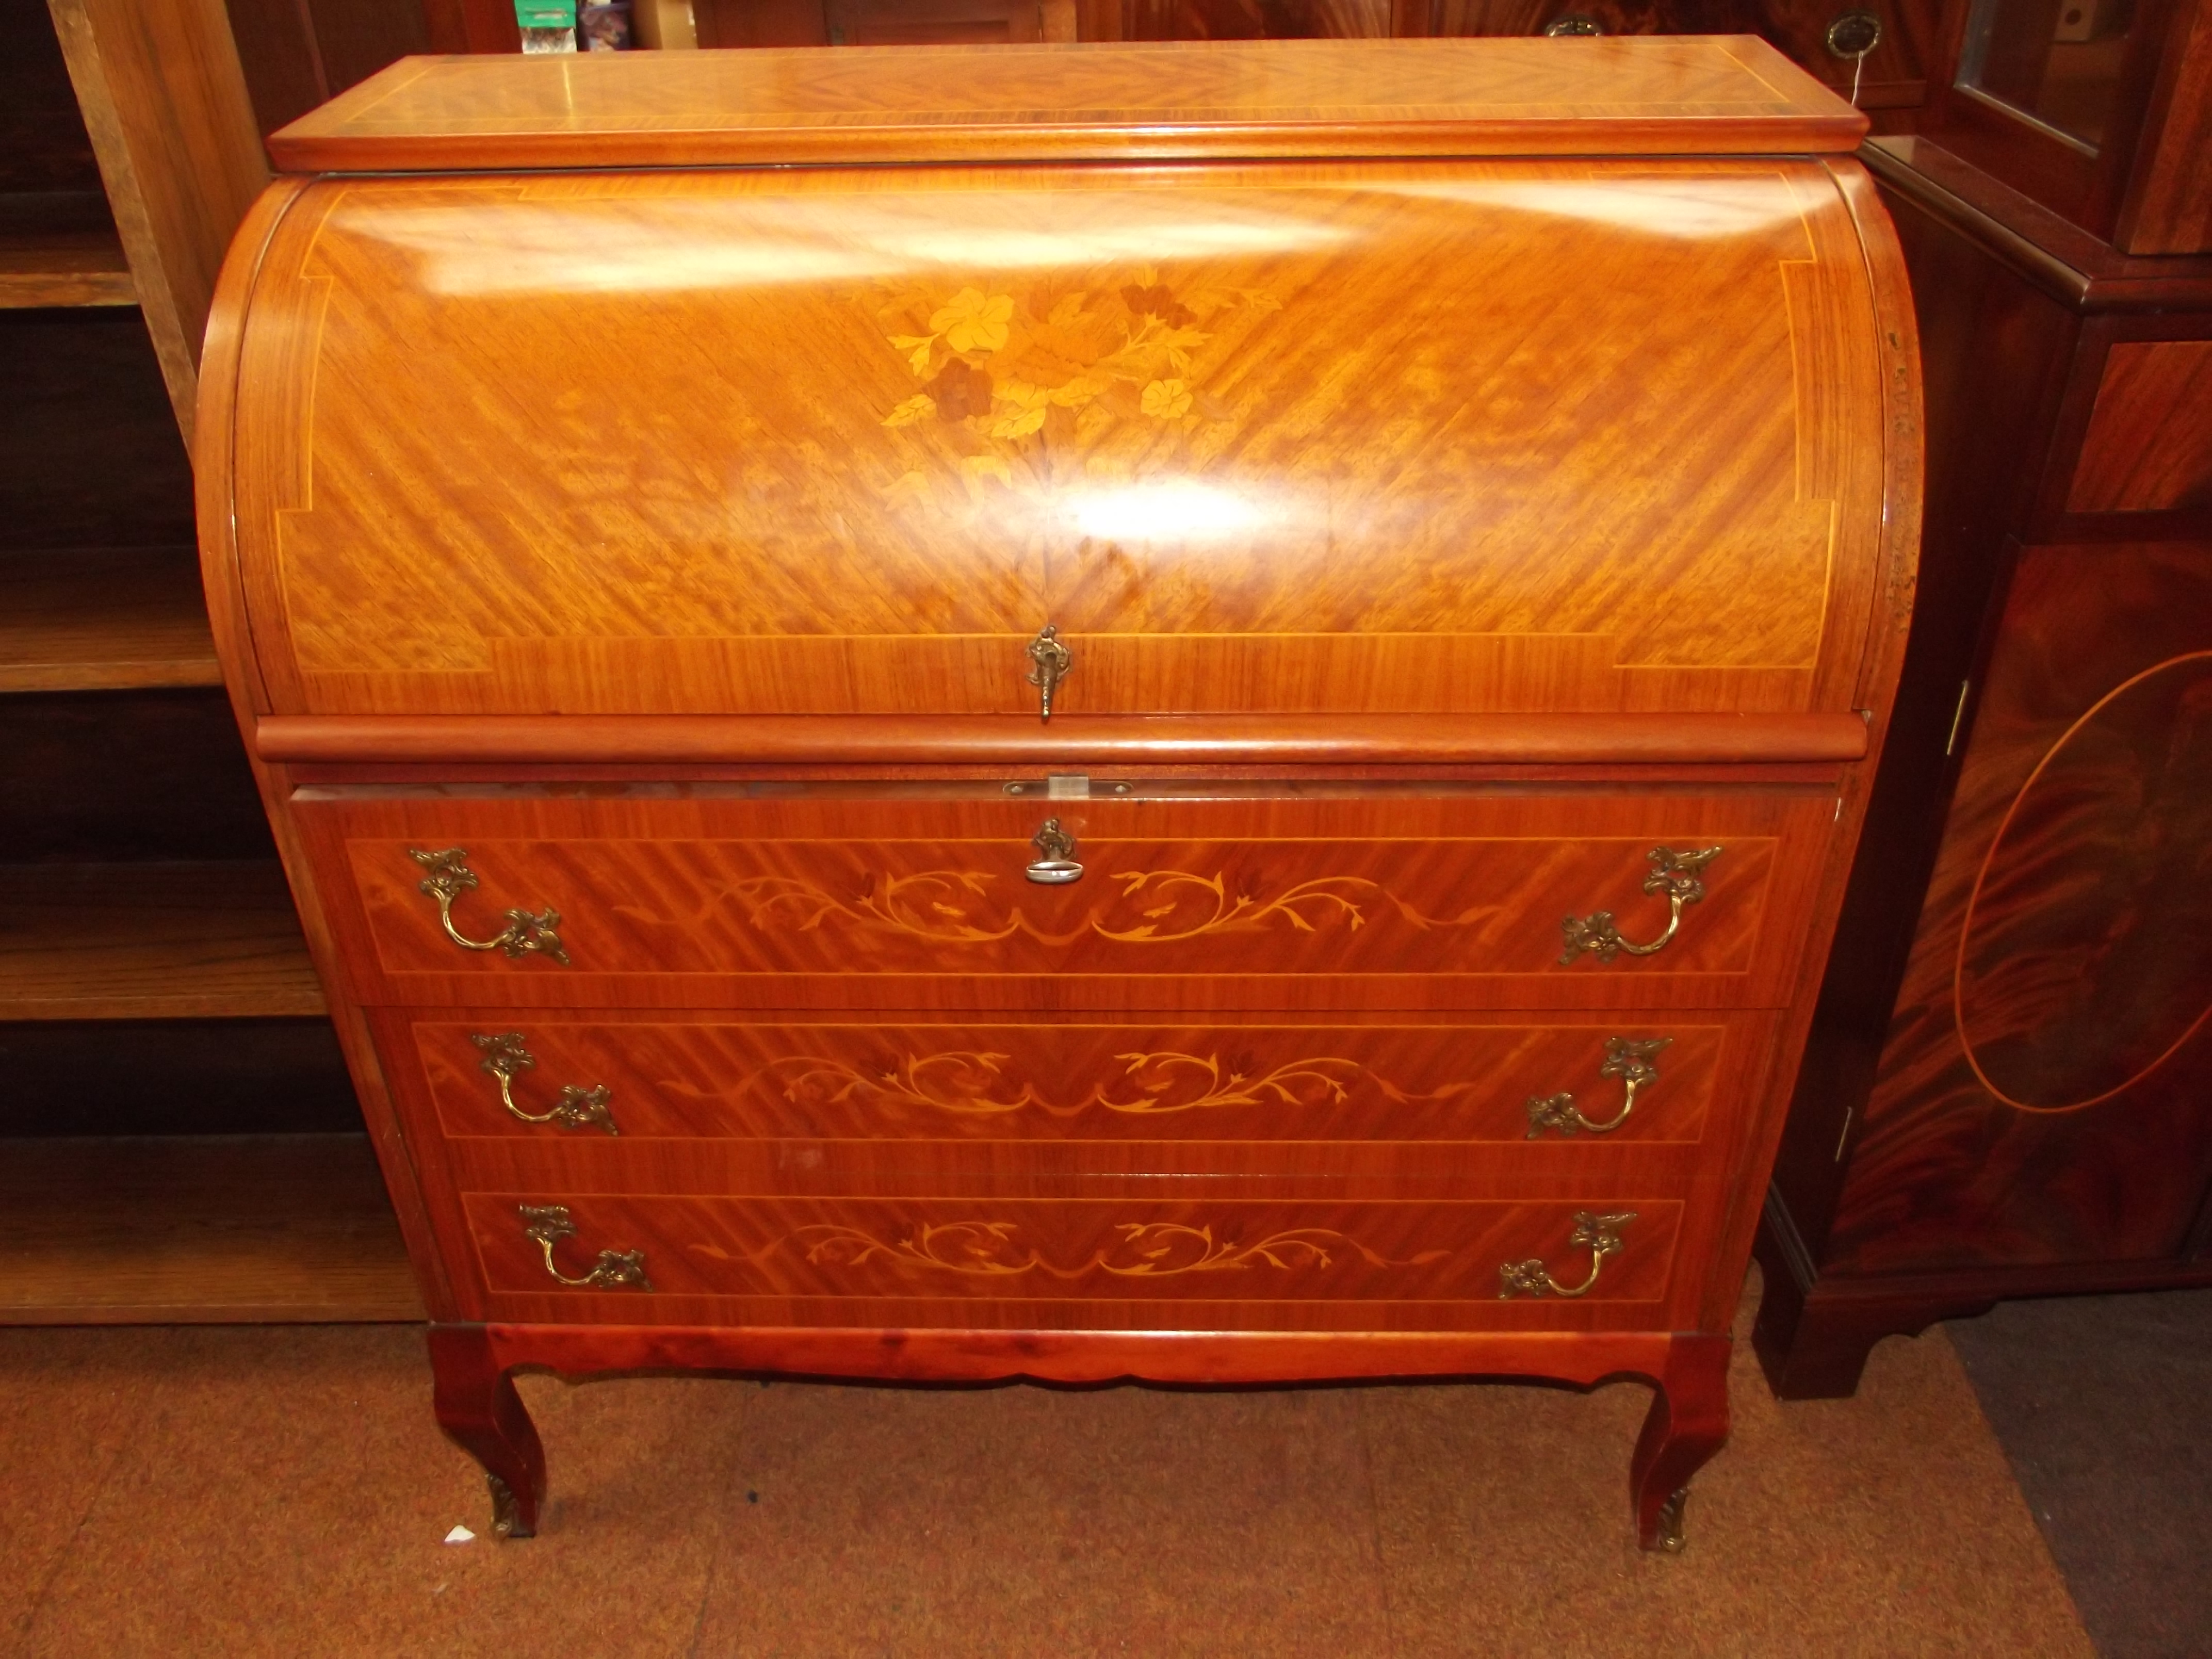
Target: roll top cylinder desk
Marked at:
1082, 713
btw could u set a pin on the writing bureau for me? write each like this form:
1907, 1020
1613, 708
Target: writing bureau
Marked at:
1081, 713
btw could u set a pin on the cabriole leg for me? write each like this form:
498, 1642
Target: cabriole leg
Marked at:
1687, 1424
480, 1412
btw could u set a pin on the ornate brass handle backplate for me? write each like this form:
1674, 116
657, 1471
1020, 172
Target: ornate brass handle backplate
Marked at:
525, 933
549, 1223
1629, 1058
1674, 874
1598, 1234
577, 1108
1049, 661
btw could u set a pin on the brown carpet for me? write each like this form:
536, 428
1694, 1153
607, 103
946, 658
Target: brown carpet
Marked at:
282, 1490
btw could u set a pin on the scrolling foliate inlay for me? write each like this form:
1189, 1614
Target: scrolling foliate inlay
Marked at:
1321, 900
952, 907
972, 1084
1145, 1249
965, 1081
999, 374
932, 905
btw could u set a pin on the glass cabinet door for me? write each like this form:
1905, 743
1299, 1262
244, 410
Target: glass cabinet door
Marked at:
2055, 63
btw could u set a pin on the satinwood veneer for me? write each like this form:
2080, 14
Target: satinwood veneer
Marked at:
1197, 719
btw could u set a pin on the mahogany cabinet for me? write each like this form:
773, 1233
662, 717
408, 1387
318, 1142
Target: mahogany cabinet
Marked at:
1199, 717
2100, 114
2003, 1094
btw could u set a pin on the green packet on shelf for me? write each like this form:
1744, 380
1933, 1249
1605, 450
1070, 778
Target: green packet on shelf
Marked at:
545, 13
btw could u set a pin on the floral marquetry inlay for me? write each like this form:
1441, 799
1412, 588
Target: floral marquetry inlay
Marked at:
997, 372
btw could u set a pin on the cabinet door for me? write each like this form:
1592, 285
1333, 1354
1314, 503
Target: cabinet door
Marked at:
2041, 1097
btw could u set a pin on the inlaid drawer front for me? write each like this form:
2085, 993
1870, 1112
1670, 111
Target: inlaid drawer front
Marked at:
534, 1075
1698, 896
1610, 1249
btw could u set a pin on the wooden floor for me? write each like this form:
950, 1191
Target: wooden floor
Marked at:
198, 1229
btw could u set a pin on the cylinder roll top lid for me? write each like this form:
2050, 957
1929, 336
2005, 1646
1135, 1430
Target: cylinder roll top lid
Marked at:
1312, 379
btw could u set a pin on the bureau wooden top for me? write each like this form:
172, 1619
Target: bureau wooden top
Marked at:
1629, 95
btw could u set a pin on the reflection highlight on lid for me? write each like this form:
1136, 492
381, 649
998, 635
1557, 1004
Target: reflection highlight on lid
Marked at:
668, 244
1169, 510
1691, 208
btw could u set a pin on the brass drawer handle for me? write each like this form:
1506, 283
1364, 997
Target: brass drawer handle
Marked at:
1599, 1234
577, 1108
549, 1223
1629, 1058
450, 876
1049, 662
1674, 874
1055, 865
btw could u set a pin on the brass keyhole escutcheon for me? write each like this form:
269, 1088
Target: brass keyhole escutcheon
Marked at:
1054, 865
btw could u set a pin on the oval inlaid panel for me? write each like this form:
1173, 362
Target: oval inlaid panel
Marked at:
2086, 956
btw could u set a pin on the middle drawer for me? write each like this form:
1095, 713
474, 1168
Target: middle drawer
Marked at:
538, 1073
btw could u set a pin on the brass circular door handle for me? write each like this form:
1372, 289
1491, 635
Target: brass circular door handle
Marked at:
1853, 34
1054, 865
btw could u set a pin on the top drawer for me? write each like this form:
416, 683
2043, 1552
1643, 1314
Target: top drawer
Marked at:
1374, 896
1478, 436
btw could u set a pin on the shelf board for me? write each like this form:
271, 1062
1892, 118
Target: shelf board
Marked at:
59, 249
198, 1229
104, 620
151, 941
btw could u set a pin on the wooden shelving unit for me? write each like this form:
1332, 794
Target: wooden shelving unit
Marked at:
60, 248
128, 152
105, 620
152, 941
198, 1229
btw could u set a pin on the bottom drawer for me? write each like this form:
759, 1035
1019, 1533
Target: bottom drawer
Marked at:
1126, 1263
